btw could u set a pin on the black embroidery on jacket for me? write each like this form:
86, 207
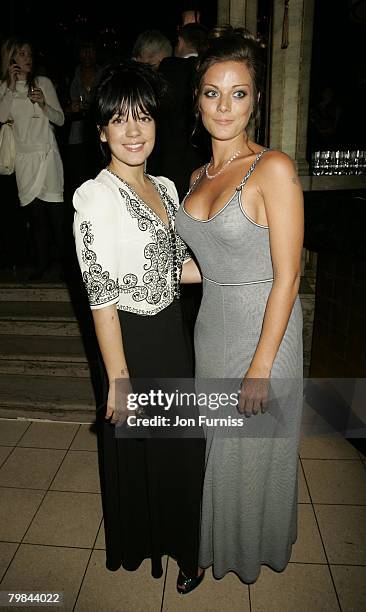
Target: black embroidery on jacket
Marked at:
158, 254
99, 286
181, 249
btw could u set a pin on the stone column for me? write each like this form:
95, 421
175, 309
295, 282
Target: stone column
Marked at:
290, 80
238, 13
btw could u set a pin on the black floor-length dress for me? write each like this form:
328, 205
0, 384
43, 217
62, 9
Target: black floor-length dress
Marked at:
151, 488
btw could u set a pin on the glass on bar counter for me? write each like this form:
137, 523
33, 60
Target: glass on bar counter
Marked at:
338, 162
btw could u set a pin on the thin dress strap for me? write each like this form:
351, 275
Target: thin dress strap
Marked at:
196, 180
251, 169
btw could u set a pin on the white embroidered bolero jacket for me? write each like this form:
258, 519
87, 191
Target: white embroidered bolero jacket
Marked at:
127, 255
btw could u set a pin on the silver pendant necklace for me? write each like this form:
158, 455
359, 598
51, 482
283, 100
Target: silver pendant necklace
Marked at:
226, 164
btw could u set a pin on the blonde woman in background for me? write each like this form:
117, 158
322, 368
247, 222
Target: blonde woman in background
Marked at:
31, 102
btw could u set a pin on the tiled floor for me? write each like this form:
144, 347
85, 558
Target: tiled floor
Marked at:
51, 533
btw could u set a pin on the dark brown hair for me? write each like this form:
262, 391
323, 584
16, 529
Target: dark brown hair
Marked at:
228, 44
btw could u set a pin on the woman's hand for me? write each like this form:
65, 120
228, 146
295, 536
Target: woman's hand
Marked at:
254, 392
36, 95
14, 71
117, 401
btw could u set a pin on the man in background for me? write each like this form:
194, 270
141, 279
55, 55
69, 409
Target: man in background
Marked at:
191, 40
175, 155
151, 47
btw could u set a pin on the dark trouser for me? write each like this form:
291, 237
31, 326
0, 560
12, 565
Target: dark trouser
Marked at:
48, 232
13, 228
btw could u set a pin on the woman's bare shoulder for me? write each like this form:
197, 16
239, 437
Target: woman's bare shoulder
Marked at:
277, 170
277, 162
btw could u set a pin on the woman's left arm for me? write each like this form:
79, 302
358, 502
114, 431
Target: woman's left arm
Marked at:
283, 200
46, 96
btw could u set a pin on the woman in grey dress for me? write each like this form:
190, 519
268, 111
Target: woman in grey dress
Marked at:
243, 220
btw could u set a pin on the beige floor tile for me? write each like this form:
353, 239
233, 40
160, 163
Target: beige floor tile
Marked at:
304, 497
327, 447
343, 530
12, 430
79, 472
350, 582
66, 519
308, 547
7, 550
119, 591
50, 569
300, 587
17, 508
212, 595
49, 435
31, 467
4, 453
85, 439
335, 482
100, 541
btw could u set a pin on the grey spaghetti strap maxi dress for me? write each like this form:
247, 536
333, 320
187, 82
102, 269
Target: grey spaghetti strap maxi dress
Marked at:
249, 507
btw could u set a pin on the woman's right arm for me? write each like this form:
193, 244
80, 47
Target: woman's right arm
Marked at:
96, 224
6, 92
6, 99
108, 331
109, 336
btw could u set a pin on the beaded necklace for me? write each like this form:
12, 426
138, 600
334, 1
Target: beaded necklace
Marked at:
226, 164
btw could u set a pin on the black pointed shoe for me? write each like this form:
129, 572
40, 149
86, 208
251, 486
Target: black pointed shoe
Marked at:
186, 585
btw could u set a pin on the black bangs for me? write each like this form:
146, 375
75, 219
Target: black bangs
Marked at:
138, 103
127, 87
